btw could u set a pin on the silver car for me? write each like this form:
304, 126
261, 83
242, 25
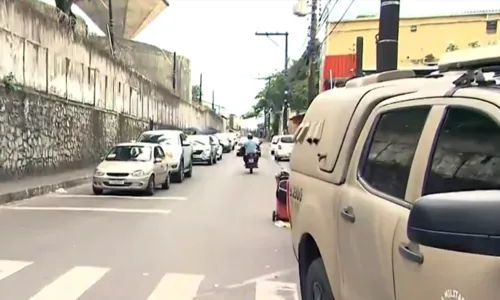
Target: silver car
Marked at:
204, 149
132, 167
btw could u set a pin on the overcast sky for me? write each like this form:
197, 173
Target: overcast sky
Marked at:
218, 37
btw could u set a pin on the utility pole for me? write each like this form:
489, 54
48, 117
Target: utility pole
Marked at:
110, 27
313, 52
388, 33
213, 100
285, 74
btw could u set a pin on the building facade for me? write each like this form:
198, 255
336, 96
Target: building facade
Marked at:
422, 40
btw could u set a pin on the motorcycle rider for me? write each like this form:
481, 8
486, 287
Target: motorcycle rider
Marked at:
250, 146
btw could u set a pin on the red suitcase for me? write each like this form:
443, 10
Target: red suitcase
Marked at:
282, 197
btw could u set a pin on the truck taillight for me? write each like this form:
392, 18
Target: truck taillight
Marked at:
279, 147
288, 202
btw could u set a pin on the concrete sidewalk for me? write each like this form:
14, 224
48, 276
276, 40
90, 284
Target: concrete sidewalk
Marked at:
38, 185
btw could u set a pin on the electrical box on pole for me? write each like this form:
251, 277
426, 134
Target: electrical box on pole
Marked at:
300, 8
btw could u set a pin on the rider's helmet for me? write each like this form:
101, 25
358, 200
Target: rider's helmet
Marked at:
249, 136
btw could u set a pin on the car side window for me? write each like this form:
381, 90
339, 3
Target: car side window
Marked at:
466, 153
182, 138
389, 151
157, 152
161, 153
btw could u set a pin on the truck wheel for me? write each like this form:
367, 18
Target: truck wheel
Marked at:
317, 285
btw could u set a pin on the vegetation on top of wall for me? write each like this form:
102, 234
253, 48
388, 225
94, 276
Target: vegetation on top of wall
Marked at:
10, 83
65, 6
196, 95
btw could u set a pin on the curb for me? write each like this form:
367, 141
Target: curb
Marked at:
42, 189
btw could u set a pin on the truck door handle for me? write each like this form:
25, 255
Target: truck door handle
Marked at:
409, 254
348, 214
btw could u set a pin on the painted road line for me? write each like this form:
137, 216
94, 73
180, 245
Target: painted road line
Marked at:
88, 209
76, 196
275, 290
9, 267
177, 286
262, 278
72, 284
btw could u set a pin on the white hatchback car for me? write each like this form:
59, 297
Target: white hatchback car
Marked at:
284, 148
274, 144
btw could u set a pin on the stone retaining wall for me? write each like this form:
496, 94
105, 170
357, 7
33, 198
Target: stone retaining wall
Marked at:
43, 134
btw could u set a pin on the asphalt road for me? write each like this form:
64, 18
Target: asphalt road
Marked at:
208, 238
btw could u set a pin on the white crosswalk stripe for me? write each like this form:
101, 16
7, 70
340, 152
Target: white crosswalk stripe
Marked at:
9, 267
177, 286
72, 284
78, 280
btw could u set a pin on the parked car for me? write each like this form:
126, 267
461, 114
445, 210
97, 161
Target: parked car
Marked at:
274, 144
284, 148
395, 185
177, 148
132, 167
218, 146
204, 149
225, 141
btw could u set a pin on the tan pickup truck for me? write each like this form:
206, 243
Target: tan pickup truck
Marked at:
395, 186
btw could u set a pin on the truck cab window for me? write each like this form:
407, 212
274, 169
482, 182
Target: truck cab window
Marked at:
390, 151
466, 154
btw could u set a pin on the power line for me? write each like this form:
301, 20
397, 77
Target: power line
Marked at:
275, 43
324, 10
337, 23
325, 20
304, 62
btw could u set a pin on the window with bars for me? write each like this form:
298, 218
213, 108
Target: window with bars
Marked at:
491, 27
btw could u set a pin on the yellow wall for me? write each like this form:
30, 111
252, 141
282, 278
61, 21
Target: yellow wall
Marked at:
433, 36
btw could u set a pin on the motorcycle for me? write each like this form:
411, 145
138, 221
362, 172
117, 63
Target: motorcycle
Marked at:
252, 162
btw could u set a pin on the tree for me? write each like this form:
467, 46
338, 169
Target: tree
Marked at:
196, 93
271, 96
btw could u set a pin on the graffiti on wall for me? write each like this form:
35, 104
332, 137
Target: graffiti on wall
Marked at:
430, 59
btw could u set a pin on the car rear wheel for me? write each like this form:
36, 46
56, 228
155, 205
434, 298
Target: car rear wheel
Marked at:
317, 285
